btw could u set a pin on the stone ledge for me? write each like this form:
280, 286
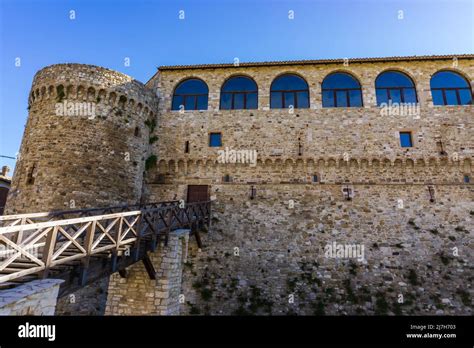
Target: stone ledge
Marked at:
19, 293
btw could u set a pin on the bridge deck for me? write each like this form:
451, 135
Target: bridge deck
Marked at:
81, 246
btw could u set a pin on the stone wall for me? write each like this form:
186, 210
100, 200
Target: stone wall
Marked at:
137, 294
37, 297
260, 251
412, 208
85, 141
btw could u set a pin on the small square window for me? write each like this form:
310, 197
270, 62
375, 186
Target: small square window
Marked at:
406, 139
215, 140
467, 179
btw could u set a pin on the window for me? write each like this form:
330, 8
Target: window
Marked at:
191, 94
227, 178
450, 88
341, 90
406, 139
289, 91
315, 178
239, 92
467, 179
215, 139
396, 87
186, 146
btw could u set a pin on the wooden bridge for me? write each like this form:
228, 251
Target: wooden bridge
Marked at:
81, 246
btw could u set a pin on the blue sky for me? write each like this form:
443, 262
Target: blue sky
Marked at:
151, 33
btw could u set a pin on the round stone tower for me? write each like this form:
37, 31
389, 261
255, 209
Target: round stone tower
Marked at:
85, 142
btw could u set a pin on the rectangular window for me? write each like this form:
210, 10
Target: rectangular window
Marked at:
186, 146
406, 139
215, 139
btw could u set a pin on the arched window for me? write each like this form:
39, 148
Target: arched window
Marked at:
192, 94
450, 88
289, 90
239, 92
341, 90
395, 86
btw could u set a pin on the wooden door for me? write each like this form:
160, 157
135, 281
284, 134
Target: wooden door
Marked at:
198, 193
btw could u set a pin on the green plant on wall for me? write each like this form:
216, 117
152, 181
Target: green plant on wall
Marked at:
150, 162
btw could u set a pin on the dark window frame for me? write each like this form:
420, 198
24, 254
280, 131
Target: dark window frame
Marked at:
239, 92
345, 90
410, 137
233, 94
402, 93
191, 95
295, 92
348, 99
396, 88
220, 139
458, 96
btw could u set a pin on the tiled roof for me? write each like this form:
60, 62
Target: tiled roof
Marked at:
317, 61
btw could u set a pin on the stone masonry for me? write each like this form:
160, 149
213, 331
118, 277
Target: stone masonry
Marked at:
37, 297
412, 209
137, 294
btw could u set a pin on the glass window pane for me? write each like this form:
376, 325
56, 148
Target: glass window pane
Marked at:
381, 96
239, 83
437, 97
341, 99
202, 102
177, 101
192, 86
395, 96
355, 97
189, 102
451, 98
226, 101
409, 95
289, 82
340, 80
251, 100
393, 79
466, 97
215, 140
275, 100
328, 99
447, 79
405, 139
238, 101
289, 99
303, 100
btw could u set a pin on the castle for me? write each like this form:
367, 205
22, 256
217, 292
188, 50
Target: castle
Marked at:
375, 153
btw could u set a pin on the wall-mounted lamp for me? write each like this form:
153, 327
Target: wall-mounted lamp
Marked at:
347, 192
253, 192
432, 193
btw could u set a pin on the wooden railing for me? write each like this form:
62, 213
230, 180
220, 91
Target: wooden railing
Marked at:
52, 244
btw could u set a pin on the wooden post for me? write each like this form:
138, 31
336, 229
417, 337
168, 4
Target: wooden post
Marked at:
88, 246
48, 250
